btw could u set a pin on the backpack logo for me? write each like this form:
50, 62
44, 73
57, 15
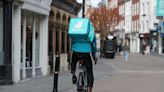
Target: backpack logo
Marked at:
79, 25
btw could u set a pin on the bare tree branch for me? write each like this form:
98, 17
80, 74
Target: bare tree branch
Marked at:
104, 19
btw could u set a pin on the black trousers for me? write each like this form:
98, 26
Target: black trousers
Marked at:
76, 56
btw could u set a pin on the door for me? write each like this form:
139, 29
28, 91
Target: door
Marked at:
1, 42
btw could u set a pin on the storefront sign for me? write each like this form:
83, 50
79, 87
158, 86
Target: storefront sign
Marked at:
144, 35
162, 35
163, 27
127, 36
160, 8
154, 34
141, 36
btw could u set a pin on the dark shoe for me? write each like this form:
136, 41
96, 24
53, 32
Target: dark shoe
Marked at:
74, 79
79, 89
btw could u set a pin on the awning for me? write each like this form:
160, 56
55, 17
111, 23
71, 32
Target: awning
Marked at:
144, 35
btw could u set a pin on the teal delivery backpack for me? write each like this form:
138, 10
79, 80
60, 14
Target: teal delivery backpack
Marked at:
81, 30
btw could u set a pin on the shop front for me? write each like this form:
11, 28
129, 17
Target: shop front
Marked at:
30, 39
144, 41
134, 43
162, 43
154, 41
127, 39
1, 41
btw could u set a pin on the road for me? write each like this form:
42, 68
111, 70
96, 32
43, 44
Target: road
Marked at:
139, 74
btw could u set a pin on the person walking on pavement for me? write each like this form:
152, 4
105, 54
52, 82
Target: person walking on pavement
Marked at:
120, 48
126, 52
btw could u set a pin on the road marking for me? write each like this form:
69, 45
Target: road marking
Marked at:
141, 72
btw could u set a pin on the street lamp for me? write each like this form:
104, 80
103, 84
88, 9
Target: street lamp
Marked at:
83, 13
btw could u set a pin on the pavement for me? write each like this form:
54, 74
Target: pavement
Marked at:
45, 83
140, 74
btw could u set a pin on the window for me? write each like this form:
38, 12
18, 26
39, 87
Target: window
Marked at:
133, 26
138, 8
120, 10
136, 25
143, 7
147, 23
139, 25
143, 26
1, 34
147, 7
135, 8
132, 10
123, 9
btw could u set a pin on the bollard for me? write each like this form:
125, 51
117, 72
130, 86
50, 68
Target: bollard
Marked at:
57, 66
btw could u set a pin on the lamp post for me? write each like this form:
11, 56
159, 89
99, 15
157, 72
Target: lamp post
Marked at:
83, 13
56, 72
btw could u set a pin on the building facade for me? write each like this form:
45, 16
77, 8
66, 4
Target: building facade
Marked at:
30, 38
59, 42
156, 29
112, 4
128, 22
121, 25
6, 42
135, 25
145, 26
144, 33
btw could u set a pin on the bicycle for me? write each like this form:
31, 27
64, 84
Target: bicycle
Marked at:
82, 85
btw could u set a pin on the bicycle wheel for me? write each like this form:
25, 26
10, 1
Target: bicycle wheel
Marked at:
85, 82
80, 82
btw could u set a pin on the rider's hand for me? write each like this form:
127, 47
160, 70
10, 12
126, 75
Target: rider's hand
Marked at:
95, 60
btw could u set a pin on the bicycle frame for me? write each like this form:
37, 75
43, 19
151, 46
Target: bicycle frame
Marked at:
82, 85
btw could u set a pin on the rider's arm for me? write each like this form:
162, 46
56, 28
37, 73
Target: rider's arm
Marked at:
94, 48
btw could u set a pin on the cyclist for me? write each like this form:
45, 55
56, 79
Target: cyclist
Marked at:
84, 49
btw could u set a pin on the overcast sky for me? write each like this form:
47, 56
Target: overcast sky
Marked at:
94, 2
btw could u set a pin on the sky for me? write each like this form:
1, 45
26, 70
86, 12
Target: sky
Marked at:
93, 2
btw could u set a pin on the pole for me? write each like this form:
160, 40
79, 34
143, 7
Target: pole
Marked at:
57, 66
83, 13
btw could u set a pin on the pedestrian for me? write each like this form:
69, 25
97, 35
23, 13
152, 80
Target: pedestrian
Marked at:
120, 48
126, 52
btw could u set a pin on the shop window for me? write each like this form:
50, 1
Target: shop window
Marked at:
29, 46
1, 34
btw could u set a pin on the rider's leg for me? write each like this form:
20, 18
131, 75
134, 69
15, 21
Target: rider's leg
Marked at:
90, 80
73, 66
90, 77
89, 89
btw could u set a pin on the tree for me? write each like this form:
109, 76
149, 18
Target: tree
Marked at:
104, 19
